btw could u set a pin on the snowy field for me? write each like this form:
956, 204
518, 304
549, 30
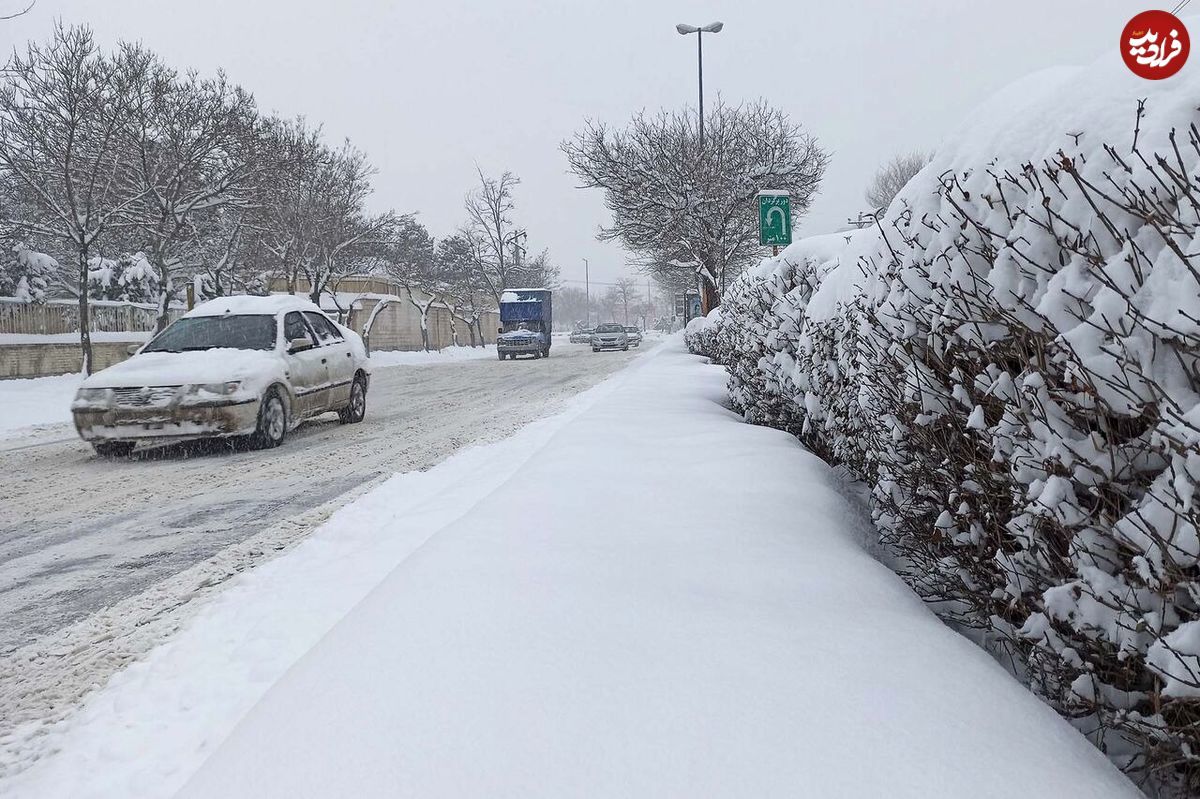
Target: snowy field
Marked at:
499, 626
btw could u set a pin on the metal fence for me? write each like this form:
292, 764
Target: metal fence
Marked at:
62, 316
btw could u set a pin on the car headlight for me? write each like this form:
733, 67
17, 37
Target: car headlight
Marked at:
92, 394
220, 389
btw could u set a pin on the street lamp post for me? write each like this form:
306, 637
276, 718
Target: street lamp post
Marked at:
587, 292
684, 30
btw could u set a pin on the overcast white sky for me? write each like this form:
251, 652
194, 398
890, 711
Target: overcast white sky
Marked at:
429, 89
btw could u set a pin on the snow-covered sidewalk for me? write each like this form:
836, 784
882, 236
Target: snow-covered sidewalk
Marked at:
642, 596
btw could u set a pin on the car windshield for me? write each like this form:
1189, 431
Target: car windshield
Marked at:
610, 329
243, 332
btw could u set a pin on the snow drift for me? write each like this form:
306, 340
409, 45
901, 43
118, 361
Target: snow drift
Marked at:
1011, 360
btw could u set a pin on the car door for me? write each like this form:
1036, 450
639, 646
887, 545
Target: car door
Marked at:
338, 356
307, 368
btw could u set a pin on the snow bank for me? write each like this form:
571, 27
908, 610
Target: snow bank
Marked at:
674, 643
384, 358
133, 336
36, 401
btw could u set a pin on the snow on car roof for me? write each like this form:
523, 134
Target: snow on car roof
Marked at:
248, 304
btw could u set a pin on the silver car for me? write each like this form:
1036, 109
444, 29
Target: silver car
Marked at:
236, 366
609, 336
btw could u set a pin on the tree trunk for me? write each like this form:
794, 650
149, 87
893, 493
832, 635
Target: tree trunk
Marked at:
425, 328
709, 298
165, 290
85, 317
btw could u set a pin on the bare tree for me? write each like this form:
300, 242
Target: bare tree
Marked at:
283, 211
62, 111
892, 177
189, 141
411, 261
540, 271
689, 210
342, 230
625, 294
498, 241
463, 289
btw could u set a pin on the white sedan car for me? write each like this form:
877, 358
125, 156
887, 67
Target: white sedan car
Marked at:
234, 366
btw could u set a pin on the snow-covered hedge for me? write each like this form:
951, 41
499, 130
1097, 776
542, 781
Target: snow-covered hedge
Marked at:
1011, 360
26, 274
128, 278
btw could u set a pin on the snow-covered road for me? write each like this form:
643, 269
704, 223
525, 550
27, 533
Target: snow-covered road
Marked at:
97, 557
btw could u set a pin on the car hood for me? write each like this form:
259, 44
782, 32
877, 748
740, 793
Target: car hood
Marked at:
181, 368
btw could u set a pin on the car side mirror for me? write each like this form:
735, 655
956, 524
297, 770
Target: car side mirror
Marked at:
132, 349
299, 345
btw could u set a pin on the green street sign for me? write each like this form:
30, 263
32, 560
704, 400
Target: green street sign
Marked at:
774, 219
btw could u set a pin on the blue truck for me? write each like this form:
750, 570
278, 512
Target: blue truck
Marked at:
526, 319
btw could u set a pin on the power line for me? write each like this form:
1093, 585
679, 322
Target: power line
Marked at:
1179, 7
580, 282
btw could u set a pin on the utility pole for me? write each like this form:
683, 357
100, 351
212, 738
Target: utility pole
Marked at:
587, 292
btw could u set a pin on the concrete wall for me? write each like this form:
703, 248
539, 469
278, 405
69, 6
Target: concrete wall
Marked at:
38, 360
397, 326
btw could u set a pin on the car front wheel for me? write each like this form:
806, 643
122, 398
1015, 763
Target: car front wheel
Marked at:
113, 449
272, 421
357, 409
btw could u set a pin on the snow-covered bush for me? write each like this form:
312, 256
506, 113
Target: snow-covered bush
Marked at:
26, 274
1011, 359
129, 278
700, 335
